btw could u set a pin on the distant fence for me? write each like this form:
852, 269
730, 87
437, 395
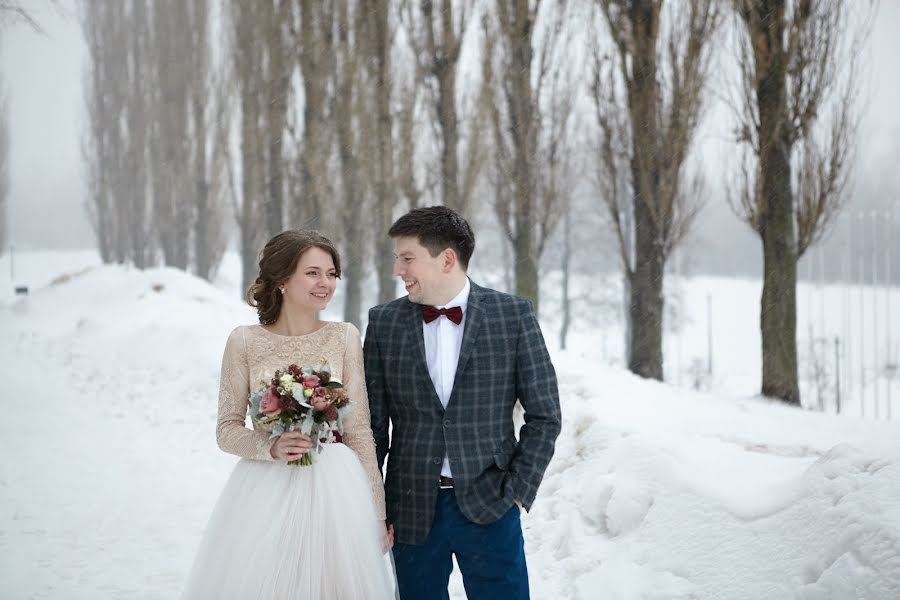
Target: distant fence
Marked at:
849, 334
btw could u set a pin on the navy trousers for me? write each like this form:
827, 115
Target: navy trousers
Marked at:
491, 557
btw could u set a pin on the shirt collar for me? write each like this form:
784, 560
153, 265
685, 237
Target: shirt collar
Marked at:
461, 299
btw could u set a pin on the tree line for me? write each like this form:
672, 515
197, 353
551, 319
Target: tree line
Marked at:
212, 115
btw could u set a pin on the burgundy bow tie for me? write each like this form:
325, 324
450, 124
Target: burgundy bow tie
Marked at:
430, 313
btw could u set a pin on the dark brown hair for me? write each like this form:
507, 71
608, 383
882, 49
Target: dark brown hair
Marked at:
437, 228
278, 262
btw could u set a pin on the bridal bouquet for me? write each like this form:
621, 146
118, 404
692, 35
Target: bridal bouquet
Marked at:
305, 400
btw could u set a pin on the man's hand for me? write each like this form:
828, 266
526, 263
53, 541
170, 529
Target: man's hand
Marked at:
388, 537
291, 445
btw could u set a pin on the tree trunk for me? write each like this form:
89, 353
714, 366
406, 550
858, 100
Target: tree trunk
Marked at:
202, 242
526, 268
353, 274
349, 105
352, 264
645, 308
249, 258
446, 75
646, 300
249, 191
275, 205
778, 306
316, 64
277, 91
524, 133
566, 272
385, 184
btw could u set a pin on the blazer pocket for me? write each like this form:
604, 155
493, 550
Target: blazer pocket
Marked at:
504, 454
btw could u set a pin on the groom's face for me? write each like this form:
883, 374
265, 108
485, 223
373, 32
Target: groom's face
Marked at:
422, 274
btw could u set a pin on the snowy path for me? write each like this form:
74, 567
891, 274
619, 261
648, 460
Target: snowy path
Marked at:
110, 467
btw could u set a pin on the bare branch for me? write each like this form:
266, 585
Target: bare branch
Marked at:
12, 13
610, 117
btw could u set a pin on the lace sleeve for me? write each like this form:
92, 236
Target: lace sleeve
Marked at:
232, 434
357, 426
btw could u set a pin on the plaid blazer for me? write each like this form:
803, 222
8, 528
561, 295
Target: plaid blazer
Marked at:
503, 358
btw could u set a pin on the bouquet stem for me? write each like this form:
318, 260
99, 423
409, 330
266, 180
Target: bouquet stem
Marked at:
304, 461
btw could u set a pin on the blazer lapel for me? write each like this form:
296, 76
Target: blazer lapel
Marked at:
413, 324
474, 318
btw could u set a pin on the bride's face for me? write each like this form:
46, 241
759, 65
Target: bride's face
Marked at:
312, 283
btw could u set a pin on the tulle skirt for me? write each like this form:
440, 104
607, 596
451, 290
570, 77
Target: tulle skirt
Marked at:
280, 532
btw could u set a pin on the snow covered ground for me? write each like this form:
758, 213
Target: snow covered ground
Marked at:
110, 468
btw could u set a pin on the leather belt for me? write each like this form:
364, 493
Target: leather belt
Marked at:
446, 482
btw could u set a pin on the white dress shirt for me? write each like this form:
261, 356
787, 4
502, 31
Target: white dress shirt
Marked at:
443, 339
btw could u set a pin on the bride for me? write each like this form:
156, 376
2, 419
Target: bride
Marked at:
282, 531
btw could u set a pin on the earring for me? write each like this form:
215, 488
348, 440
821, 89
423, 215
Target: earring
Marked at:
281, 289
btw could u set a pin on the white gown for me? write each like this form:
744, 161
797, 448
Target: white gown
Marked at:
282, 532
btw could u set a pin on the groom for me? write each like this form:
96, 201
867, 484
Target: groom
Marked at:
445, 366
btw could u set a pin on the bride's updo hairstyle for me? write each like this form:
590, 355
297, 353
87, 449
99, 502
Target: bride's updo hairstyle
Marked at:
278, 262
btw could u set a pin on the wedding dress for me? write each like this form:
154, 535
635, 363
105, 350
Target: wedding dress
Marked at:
294, 532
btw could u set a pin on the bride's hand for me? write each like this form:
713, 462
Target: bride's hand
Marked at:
388, 539
291, 445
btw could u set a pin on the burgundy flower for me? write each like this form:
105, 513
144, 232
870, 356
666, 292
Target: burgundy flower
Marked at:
338, 397
290, 404
331, 412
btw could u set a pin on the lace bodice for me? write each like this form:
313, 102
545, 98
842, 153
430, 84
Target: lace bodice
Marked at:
252, 354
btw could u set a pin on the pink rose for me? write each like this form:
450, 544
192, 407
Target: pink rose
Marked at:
310, 381
270, 403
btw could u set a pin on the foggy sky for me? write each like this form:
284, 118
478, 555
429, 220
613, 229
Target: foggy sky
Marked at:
42, 76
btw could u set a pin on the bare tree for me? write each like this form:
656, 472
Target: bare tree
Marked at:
173, 191
199, 94
139, 217
390, 139
559, 168
309, 181
437, 37
247, 55
115, 144
154, 170
517, 83
380, 82
210, 116
96, 141
647, 92
277, 66
797, 116
350, 111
